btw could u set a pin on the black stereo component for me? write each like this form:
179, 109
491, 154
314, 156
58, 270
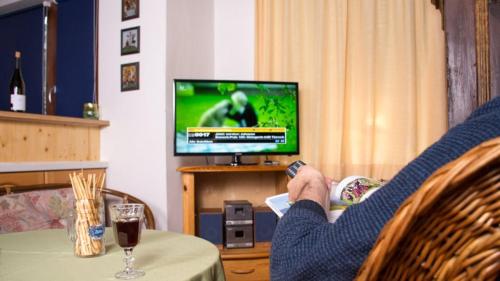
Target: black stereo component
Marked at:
239, 236
238, 212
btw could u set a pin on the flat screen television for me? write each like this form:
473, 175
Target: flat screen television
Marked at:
225, 117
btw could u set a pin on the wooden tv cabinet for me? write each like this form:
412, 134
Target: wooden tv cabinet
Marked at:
208, 187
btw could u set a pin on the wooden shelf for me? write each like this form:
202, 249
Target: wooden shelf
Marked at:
50, 119
207, 187
232, 169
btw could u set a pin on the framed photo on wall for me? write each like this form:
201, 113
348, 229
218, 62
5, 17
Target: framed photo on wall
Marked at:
129, 74
130, 40
130, 9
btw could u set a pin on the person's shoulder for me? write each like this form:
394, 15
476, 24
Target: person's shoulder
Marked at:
490, 108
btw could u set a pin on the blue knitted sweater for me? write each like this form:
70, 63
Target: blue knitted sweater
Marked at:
306, 247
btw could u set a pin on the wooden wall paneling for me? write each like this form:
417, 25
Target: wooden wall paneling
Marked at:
42, 177
461, 59
71, 144
94, 147
494, 32
25, 178
46, 142
19, 142
63, 176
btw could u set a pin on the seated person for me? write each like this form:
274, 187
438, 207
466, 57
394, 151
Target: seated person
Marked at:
242, 111
215, 116
306, 247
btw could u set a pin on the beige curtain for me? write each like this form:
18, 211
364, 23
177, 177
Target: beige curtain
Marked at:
371, 76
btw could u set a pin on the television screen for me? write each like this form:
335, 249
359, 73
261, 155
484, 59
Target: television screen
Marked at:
235, 117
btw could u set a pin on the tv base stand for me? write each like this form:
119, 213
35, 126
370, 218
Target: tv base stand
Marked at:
236, 161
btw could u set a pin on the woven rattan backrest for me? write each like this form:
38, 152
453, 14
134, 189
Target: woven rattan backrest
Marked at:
127, 198
448, 229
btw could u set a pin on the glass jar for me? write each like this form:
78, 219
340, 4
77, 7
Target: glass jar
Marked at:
86, 228
90, 110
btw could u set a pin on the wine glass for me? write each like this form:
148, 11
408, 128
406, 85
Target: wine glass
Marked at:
127, 222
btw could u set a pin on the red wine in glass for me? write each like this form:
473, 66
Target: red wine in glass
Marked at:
127, 224
127, 232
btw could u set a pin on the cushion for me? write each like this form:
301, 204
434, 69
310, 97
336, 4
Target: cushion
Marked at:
33, 210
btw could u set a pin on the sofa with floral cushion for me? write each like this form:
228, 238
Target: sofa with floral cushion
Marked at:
40, 209
25, 208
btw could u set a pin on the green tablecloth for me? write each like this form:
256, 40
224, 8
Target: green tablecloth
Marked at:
48, 255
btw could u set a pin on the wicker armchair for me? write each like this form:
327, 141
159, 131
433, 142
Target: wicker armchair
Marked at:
127, 198
449, 229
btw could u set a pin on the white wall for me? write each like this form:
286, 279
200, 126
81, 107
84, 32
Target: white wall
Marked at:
234, 33
179, 39
206, 39
190, 50
134, 143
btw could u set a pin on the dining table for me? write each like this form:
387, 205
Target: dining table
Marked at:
163, 255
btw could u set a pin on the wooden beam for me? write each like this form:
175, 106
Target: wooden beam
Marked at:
482, 52
461, 59
188, 207
494, 41
51, 59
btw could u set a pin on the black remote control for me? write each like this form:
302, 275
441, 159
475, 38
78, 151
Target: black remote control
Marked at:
291, 170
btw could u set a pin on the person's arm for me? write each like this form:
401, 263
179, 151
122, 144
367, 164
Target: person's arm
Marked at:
306, 247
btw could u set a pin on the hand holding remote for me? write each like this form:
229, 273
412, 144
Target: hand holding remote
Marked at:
310, 185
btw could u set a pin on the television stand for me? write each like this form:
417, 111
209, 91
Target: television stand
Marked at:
206, 187
236, 161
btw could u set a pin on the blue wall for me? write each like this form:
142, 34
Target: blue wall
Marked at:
22, 31
75, 56
75, 64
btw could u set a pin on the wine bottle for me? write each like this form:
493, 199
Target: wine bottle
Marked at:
17, 87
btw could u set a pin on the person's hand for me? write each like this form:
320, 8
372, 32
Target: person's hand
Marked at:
332, 185
310, 184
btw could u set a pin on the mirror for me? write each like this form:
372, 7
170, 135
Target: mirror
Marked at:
67, 72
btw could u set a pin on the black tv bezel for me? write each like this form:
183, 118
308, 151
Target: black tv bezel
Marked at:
297, 152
